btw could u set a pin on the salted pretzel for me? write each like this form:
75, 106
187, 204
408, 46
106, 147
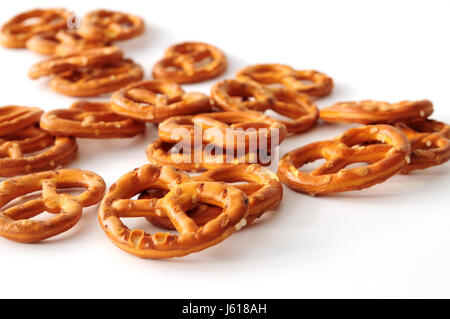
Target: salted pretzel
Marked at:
111, 25
15, 221
15, 118
90, 120
262, 187
33, 150
94, 81
268, 74
190, 62
357, 145
156, 100
429, 142
183, 194
197, 159
88, 58
371, 112
224, 129
240, 95
16, 32
62, 43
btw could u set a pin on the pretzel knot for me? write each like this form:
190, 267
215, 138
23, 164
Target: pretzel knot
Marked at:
111, 25
19, 29
155, 101
184, 193
15, 118
357, 145
262, 187
429, 141
33, 150
239, 95
371, 112
190, 62
227, 130
196, 158
319, 84
15, 222
90, 120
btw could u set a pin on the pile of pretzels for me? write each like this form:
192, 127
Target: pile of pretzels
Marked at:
223, 197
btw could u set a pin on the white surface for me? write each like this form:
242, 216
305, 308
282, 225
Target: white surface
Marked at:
388, 241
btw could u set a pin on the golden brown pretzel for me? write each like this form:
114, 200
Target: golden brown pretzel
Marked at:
15, 118
429, 142
266, 74
224, 129
93, 81
182, 196
87, 58
354, 146
62, 43
90, 120
16, 32
111, 25
240, 95
17, 152
369, 112
181, 63
154, 101
15, 222
205, 157
262, 187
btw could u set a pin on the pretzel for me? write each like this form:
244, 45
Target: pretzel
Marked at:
239, 95
88, 58
90, 120
17, 152
183, 194
15, 222
266, 74
369, 111
190, 62
62, 43
354, 146
111, 25
215, 128
262, 187
154, 101
195, 159
94, 81
15, 118
16, 32
429, 142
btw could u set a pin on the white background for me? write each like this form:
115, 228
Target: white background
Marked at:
391, 240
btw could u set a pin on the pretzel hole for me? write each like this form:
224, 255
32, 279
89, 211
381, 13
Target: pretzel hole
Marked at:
313, 165
38, 213
203, 62
31, 21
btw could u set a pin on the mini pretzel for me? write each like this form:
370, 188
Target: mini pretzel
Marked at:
15, 118
111, 25
183, 194
354, 146
195, 160
190, 62
429, 142
16, 32
90, 120
223, 129
15, 222
88, 58
262, 187
94, 81
321, 84
369, 111
238, 95
155, 101
53, 152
